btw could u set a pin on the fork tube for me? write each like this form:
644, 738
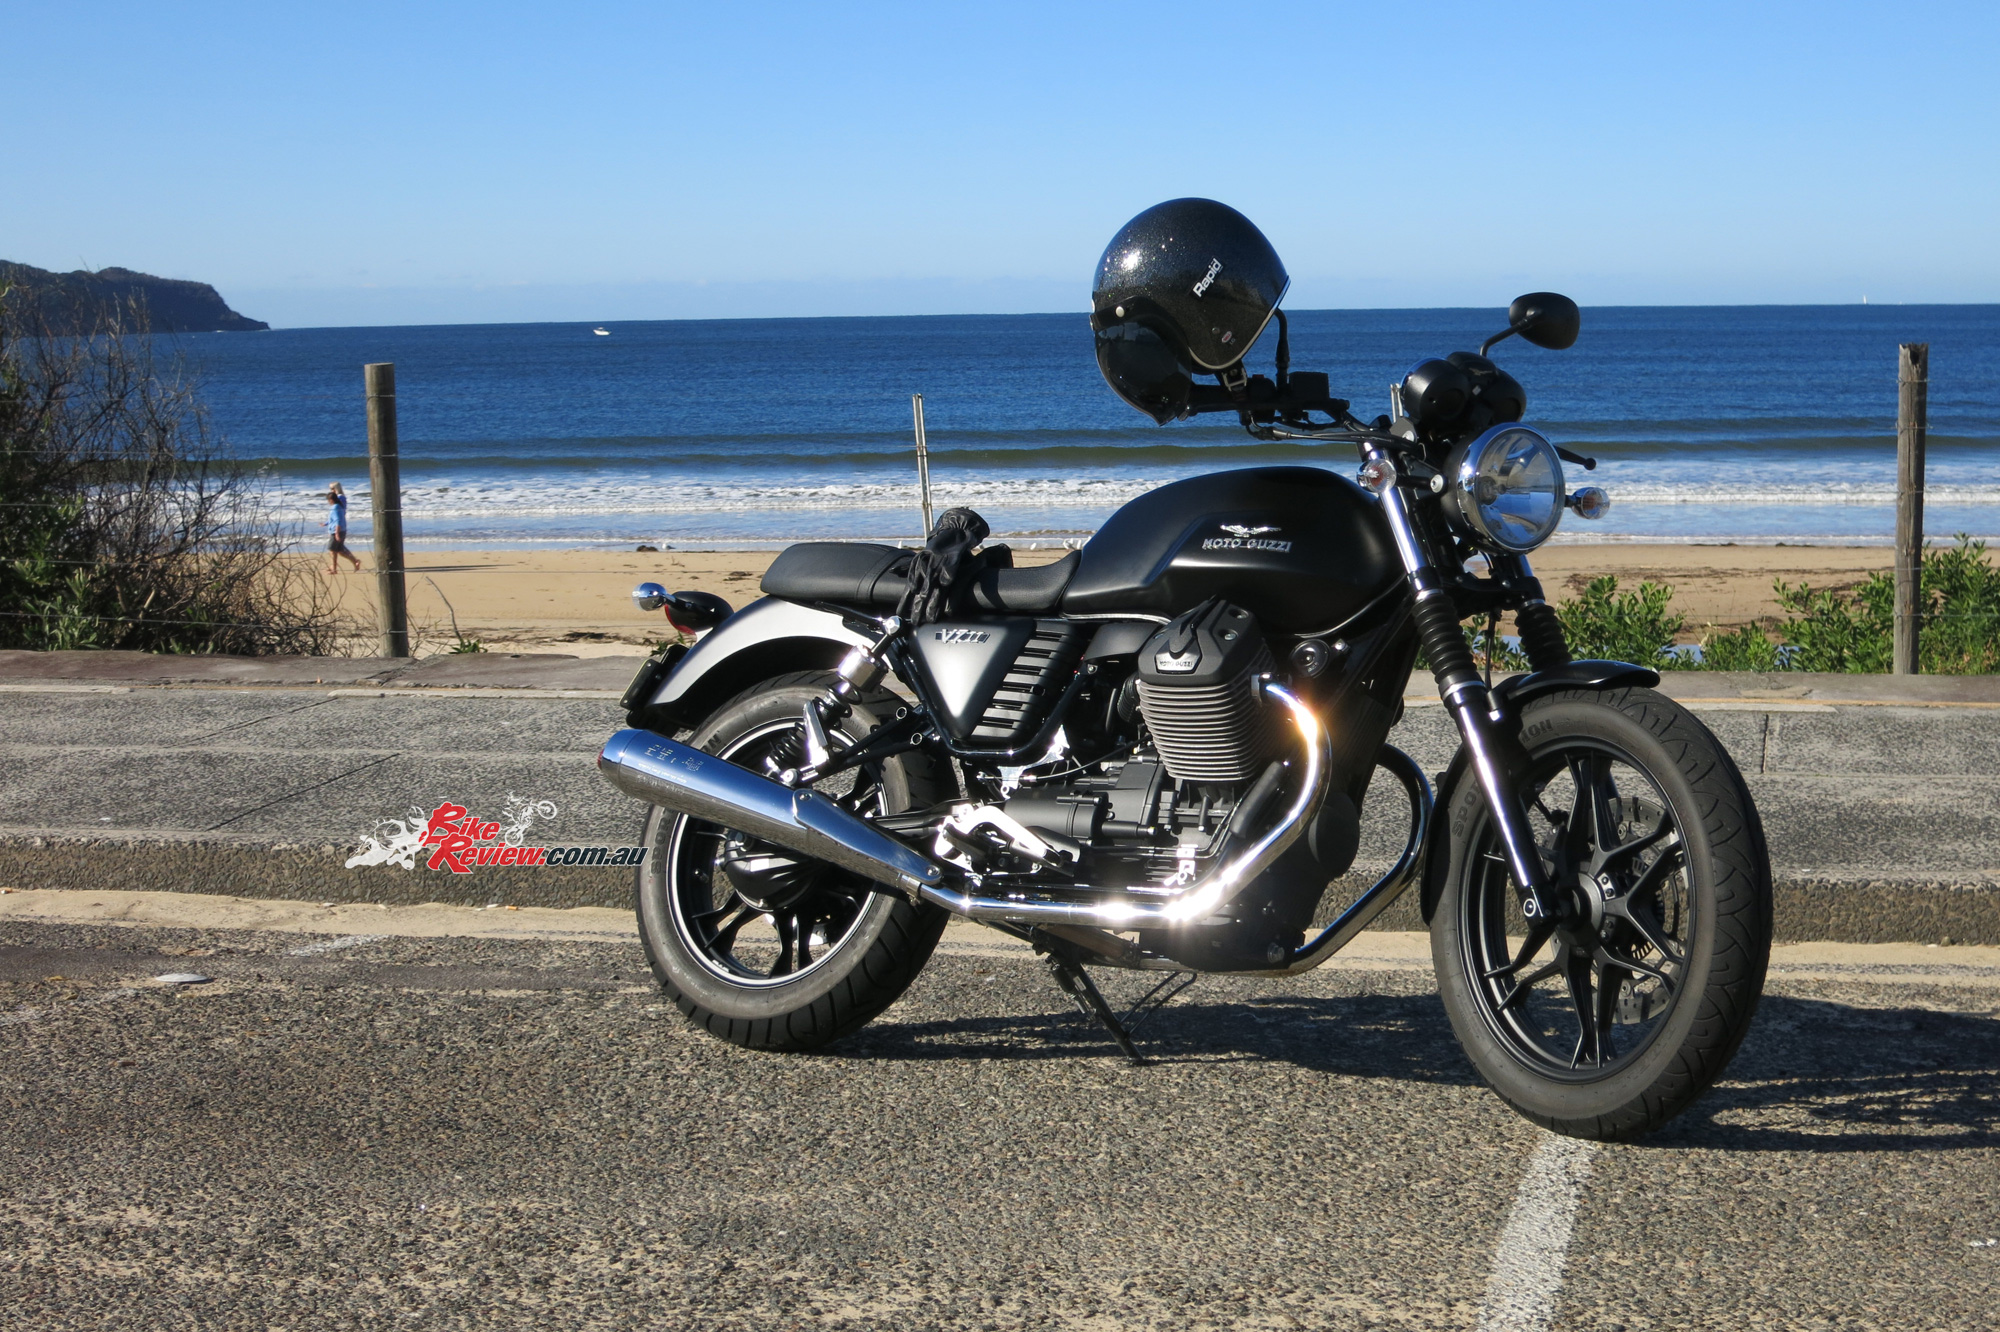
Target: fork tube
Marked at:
1470, 703
1541, 632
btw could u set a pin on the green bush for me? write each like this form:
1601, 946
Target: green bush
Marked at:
1745, 649
1959, 599
1826, 631
1623, 626
1822, 631
1505, 656
1961, 628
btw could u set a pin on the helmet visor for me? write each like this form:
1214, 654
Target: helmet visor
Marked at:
1142, 369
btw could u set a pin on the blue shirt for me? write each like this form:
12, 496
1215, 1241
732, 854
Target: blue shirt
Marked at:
336, 516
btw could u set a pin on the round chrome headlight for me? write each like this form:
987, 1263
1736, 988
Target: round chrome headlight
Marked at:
1507, 489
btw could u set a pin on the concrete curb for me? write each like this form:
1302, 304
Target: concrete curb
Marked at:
1883, 818
1814, 908
555, 671
281, 870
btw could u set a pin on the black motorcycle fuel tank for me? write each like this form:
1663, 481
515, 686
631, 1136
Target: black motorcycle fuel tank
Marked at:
1301, 548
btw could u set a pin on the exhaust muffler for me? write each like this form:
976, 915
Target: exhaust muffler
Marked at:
682, 778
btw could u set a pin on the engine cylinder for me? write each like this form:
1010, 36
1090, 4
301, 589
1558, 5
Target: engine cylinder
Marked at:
1198, 694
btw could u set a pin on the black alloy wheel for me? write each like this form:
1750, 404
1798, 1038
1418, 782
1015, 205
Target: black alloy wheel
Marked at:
755, 914
1579, 999
758, 944
1611, 1020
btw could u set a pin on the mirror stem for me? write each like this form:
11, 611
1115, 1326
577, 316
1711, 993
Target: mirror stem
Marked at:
1284, 348
1487, 345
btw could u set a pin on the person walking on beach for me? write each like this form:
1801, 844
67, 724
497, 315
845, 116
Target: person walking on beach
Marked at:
336, 529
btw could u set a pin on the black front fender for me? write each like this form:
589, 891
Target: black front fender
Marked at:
1517, 691
1510, 696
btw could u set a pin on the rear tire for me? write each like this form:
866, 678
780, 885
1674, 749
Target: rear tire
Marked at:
1613, 1024
845, 949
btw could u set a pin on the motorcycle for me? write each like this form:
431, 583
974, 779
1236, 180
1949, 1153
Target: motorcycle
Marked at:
1153, 754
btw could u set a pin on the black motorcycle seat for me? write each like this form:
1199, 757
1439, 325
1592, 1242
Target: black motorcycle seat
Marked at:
1025, 591
848, 573
863, 574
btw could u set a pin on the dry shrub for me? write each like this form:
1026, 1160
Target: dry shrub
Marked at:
124, 521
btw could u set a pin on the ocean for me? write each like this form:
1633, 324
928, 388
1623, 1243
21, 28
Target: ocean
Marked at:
1741, 423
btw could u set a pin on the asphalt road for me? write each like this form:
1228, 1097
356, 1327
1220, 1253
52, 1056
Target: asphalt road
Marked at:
437, 1132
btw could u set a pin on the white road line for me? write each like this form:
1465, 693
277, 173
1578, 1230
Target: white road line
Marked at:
328, 945
1528, 1266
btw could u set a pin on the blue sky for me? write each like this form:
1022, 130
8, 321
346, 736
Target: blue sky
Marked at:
416, 163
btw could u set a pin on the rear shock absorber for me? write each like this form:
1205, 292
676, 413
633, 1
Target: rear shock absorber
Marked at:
797, 756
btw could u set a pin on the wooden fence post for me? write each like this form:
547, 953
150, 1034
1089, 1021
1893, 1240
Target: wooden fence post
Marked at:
923, 460
385, 488
1912, 420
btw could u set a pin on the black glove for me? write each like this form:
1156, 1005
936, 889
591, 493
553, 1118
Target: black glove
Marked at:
936, 568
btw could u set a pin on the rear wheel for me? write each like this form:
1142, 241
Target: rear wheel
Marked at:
763, 947
1612, 1022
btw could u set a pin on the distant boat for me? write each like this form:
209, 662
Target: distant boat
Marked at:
602, 332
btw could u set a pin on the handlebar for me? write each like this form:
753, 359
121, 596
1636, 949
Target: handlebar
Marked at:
1266, 401
1280, 409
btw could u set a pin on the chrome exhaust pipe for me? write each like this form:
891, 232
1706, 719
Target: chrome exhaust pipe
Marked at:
684, 779
1385, 890
1195, 901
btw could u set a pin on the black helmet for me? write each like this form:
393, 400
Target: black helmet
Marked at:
1183, 288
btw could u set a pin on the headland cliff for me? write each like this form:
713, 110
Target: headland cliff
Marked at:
73, 302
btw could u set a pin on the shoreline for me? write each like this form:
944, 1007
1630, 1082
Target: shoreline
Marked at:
579, 601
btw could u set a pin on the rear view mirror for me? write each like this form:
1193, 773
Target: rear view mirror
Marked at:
1545, 319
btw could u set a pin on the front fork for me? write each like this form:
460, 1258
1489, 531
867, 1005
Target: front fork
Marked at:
1493, 747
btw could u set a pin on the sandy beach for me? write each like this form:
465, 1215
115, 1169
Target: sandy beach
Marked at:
579, 601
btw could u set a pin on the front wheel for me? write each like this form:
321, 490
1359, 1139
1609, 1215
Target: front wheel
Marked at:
770, 949
1612, 1022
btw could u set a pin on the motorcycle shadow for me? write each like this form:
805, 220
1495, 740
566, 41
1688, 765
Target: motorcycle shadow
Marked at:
1819, 1076
1400, 1037
1813, 1075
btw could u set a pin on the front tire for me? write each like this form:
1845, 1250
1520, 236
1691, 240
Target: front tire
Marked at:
1612, 1023
765, 949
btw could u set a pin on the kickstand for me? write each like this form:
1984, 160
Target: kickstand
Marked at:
1158, 998
1077, 984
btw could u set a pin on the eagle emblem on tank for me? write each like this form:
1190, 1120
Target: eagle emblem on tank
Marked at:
1248, 536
